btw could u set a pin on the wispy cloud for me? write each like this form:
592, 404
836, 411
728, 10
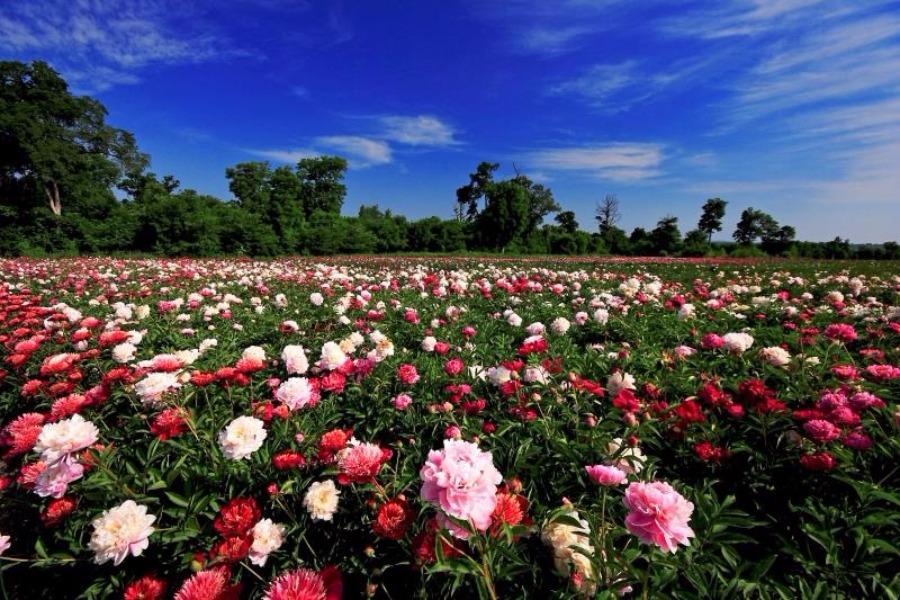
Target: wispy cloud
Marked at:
300, 92
101, 44
552, 41
361, 152
615, 161
421, 130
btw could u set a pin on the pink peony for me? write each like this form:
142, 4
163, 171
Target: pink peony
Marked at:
297, 393
606, 475
408, 374
401, 401
463, 481
55, 479
658, 515
821, 431
359, 463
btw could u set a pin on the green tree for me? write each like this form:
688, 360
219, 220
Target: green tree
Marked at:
56, 145
752, 224
666, 238
322, 184
567, 222
711, 219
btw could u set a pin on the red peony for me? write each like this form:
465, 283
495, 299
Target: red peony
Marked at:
393, 519
147, 587
237, 517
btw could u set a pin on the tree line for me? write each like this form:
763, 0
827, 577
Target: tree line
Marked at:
70, 183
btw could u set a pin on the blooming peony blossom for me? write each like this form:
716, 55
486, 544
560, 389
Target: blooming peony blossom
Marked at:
306, 584
267, 538
65, 437
242, 437
629, 459
124, 352
619, 381
560, 325
606, 475
316, 298
737, 343
359, 462
775, 356
462, 481
211, 584
121, 531
295, 361
55, 479
4, 544
321, 500
297, 393
152, 387
658, 514
571, 545
332, 356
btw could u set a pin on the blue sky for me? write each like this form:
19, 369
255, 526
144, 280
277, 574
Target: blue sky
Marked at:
791, 106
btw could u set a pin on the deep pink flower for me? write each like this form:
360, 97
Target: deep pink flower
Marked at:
306, 584
408, 374
821, 431
607, 475
658, 514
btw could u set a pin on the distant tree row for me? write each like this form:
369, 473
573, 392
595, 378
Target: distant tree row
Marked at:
71, 183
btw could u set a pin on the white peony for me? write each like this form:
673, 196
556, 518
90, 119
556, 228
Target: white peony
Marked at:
332, 356
152, 387
321, 500
267, 538
560, 325
775, 356
121, 531
254, 353
295, 361
56, 440
124, 352
242, 437
738, 343
619, 381
316, 298
296, 393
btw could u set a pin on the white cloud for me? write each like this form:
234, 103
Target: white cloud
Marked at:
300, 92
552, 41
615, 161
422, 130
361, 151
286, 156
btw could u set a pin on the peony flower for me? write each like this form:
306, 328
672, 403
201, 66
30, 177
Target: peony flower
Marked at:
295, 361
211, 584
242, 437
121, 531
401, 401
124, 352
560, 325
65, 437
569, 542
306, 584
737, 343
152, 387
21, 434
297, 393
462, 481
55, 479
4, 543
619, 381
316, 298
630, 459
776, 356
332, 356
408, 374
658, 515
147, 587
267, 538
821, 431
606, 475
393, 519
321, 500
359, 463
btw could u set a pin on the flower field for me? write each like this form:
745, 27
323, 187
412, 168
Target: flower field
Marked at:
448, 427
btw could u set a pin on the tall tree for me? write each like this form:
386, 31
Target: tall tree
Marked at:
711, 219
322, 184
56, 144
470, 195
750, 226
566, 220
607, 213
666, 237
